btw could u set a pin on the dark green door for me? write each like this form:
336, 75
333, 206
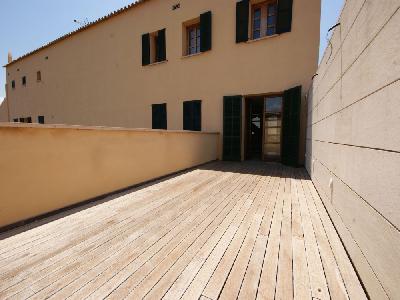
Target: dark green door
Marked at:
232, 116
291, 126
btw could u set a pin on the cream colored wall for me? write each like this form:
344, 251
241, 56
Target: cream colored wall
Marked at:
44, 168
353, 139
96, 78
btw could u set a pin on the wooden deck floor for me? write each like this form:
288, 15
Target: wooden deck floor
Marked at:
223, 231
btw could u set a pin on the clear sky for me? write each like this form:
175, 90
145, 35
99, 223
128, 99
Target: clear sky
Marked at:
28, 24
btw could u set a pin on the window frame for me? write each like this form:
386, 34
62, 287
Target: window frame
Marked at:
264, 7
195, 26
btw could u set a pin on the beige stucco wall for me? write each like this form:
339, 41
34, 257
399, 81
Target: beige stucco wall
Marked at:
44, 168
353, 139
96, 78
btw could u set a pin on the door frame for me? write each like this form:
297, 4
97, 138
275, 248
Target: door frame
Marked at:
245, 125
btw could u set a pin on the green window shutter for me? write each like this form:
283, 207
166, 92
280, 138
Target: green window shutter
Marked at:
196, 107
145, 49
284, 21
205, 31
192, 115
159, 116
291, 126
161, 47
242, 21
232, 119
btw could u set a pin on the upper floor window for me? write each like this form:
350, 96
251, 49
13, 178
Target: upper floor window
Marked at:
154, 47
38, 76
193, 39
264, 19
24, 80
256, 19
13, 84
198, 34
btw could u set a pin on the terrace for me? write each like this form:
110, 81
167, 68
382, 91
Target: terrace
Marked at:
219, 231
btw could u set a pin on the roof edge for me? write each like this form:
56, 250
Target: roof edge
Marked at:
80, 29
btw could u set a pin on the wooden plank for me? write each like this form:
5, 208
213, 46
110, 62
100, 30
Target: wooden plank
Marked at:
179, 260
301, 279
99, 275
319, 286
218, 278
200, 281
236, 276
121, 217
20, 243
284, 284
63, 280
266, 289
201, 278
351, 281
333, 276
127, 280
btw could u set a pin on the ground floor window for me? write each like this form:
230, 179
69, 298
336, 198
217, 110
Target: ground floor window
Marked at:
159, 116
192, 115
41, 119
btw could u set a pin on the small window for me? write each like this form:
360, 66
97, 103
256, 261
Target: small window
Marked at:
193, 39
159, 116
263, 20
41, 119
192, 115
24, 80
154, 47
28, 120
13, 84
22, 120
15, 120
38, 76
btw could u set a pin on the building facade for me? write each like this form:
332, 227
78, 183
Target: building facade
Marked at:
239, 68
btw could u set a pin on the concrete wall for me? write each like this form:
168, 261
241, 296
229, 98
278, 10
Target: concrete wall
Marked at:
50, 167
96, 77
3, 110
353, 139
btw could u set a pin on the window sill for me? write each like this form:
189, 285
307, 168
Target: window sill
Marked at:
191, 55
156, 63
263, 38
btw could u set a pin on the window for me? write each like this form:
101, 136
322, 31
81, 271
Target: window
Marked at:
28, 120
24, 80
197, 34
41, 119
192, 115
159, 116
38, 76
153, 47
193, 39
264, 19
13, 84
22, 120
15, 120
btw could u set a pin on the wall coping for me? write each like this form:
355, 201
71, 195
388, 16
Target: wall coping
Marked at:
98, 128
